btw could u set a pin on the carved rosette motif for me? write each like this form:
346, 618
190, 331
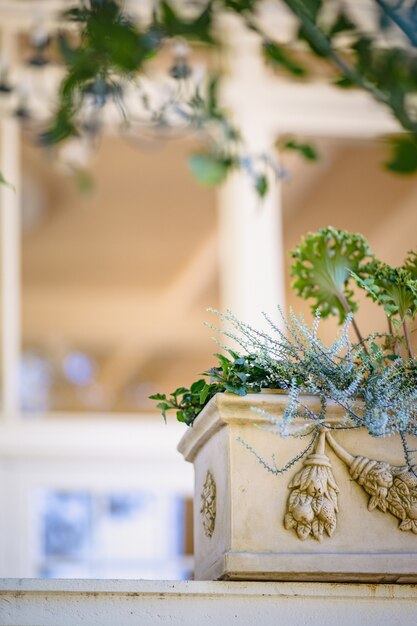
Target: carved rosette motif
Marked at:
312, 503
208, 504
392, 488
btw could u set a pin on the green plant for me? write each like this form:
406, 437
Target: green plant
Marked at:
238, 374
323, 266
374, 380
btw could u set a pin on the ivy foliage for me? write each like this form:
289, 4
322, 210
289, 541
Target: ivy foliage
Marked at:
187, 403
233, 373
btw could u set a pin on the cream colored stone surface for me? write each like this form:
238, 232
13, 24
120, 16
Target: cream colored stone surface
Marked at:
249, 539
191, 603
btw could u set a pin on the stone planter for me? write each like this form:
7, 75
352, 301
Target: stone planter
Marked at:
346, 512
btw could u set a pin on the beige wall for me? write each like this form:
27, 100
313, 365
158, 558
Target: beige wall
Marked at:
124, 272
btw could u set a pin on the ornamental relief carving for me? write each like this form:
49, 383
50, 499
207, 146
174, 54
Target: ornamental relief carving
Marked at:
208, 504
393, 489
312, 504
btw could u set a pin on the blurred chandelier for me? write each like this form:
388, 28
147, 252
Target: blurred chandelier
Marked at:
145, 100
164, 105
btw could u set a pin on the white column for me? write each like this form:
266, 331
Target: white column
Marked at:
10, 256
251, 249
252, 277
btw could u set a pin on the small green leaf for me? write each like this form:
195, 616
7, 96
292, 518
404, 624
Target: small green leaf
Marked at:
341, 25
204, 393
240, 6
344, 83
223, 359
278, 55
179, 392
308, 151
209, 169
261, 185
198, 386
239, 391
158, 396
61, 128
164, 406
176, 26
404, 155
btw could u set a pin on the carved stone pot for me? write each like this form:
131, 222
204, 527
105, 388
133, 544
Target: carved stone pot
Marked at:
347, 511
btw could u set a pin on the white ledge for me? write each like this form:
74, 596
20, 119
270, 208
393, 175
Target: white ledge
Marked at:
30, 602
213, 588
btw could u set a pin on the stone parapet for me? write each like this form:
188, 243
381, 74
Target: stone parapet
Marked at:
37, 602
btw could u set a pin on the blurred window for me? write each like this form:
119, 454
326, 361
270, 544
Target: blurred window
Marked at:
111, 535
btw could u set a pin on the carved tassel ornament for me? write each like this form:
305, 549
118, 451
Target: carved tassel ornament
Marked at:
392, 489
312, 503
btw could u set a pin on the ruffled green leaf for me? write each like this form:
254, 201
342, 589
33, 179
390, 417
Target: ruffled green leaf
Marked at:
394, 289
322, 267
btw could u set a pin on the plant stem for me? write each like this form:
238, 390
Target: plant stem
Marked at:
354, 324
407, 453
315, 36
399, 20
407, 338
394, 338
